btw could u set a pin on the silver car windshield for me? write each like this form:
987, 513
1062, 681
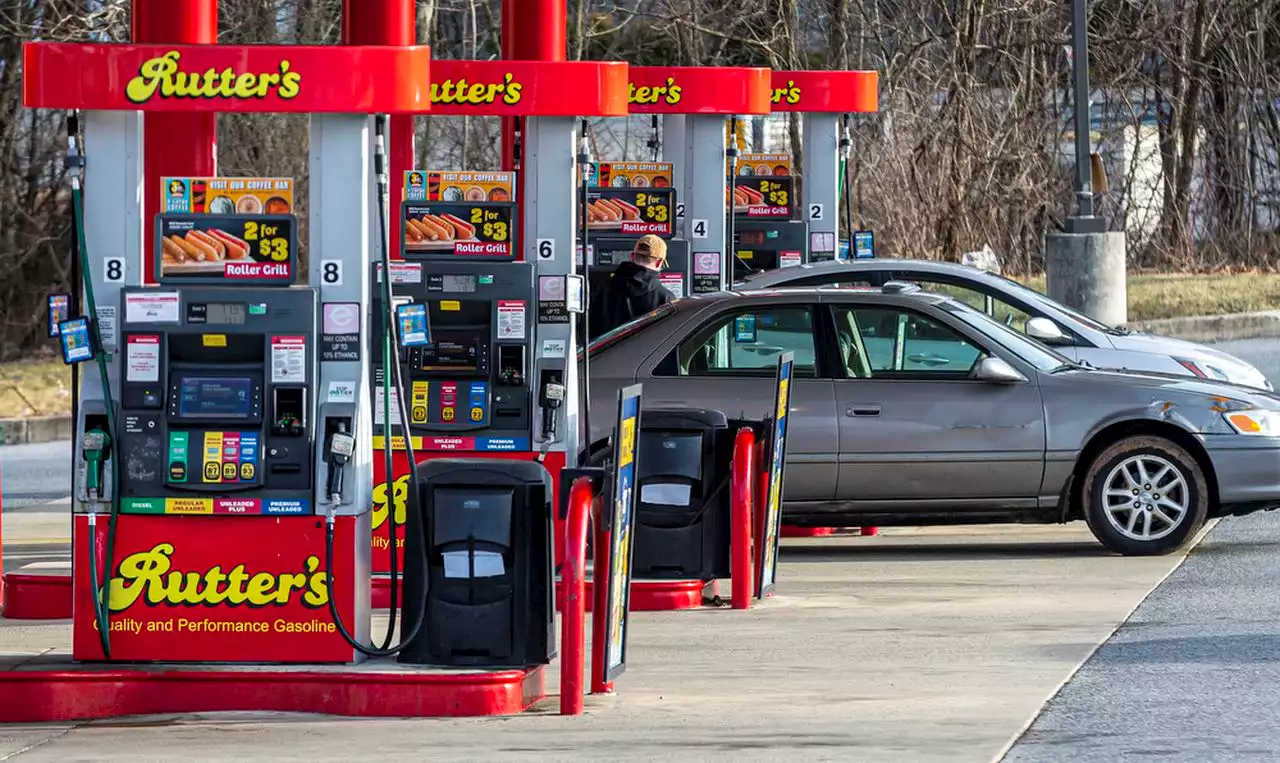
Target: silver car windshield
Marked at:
1031, 295
1019, 344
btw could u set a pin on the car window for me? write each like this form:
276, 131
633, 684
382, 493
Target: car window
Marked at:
892, 343
611, 338
979, 299
748, 342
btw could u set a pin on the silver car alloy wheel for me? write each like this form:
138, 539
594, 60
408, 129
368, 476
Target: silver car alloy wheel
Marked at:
1146, 497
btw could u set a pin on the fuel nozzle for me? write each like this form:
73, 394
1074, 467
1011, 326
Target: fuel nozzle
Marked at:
552, 398
342, 444
95, 448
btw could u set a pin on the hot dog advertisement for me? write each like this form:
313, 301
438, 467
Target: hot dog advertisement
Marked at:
227, 196
437, 185
219, 249
769, 197
631, 174
631, 211
468, 230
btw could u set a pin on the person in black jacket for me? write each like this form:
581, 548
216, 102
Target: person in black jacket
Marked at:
632, 290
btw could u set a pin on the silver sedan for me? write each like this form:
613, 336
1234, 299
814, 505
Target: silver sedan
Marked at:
913, 408
1070, 332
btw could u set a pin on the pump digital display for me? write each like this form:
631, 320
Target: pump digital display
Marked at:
451, 355
459, 283
215, 397
229, 313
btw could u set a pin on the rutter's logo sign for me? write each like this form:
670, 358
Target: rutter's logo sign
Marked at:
149, 576
464, 93
646, 94
162, 76
790, 93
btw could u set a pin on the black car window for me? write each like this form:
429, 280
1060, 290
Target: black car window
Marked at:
746, 342
902, 344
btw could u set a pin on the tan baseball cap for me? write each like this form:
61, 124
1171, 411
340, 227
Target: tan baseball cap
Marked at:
652, 246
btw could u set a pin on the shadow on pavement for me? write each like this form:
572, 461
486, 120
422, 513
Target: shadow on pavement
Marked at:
942, 552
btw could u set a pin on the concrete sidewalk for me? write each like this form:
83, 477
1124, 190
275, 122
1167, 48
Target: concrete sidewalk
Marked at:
919, 645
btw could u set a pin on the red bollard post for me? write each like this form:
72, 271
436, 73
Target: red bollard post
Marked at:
600, 607
573, 622
741, 499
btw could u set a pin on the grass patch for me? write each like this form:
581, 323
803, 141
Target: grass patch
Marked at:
41, 386
1176, 296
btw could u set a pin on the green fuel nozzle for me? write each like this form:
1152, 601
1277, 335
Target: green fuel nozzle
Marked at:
94, 448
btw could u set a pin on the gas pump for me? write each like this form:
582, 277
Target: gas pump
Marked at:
486, 288
693, 103
825, 100
219, 437
627, 200
766, 235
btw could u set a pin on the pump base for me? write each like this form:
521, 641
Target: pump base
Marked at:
380, 593
657, 595
34, 593
53, 688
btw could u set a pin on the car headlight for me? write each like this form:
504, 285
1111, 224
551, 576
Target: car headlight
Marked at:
1254, 421
1203, 370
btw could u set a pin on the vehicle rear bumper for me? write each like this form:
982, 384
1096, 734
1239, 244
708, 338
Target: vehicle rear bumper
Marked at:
1247, 469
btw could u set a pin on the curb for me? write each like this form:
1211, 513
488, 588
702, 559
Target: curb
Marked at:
1215, 328
36, 430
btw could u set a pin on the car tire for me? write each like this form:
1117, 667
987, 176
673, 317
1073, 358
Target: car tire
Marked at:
1123, 503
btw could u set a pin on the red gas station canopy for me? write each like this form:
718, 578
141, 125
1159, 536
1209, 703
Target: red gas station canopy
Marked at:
243, 78
529, 88
699, 90
826, 91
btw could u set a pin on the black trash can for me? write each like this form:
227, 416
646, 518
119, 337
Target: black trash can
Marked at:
489, 600
682, 507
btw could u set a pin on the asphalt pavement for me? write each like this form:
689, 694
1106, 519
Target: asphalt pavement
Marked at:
31, 475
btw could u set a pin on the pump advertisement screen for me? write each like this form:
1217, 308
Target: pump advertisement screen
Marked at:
631, 174
631, 211
227, 249
764, 198
772, 519
223, 588
462, 229
228, 196
436, 185
623, 529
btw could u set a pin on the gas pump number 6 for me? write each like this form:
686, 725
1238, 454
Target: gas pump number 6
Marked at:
270, 245
399, 497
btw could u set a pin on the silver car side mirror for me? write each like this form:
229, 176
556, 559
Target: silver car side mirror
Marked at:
997, 371
1045, 331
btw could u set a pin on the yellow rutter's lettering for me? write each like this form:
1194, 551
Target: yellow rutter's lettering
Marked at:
673, 91
399, 496
150, 573
318, 595
511, 93
793, 92
162, 75
290, 82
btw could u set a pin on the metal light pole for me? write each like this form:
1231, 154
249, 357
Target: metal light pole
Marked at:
1085, 264
1084, 220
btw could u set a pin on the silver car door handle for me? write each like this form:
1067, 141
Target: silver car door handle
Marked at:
862, 410
929, 360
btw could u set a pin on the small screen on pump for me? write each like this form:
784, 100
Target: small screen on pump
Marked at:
215, 397
226, 312
451, 355
463, 284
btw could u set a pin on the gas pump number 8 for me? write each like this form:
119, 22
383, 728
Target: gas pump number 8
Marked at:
489, 223
271, 245
655, 207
